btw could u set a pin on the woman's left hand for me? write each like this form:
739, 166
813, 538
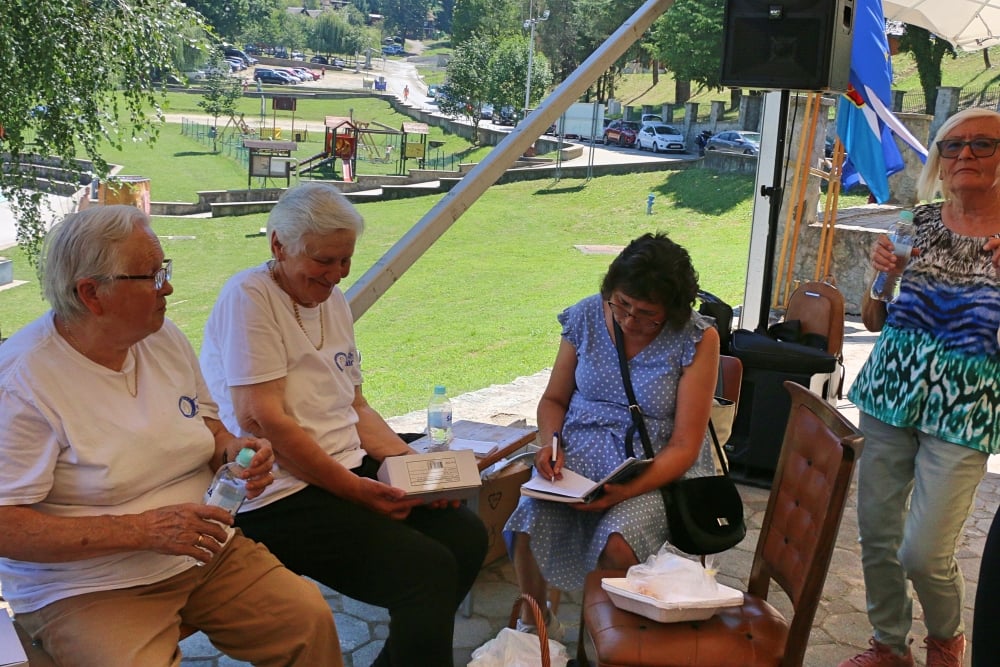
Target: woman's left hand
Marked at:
258, 475
613, 494
993, 246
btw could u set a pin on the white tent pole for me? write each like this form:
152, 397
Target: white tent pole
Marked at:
388, 269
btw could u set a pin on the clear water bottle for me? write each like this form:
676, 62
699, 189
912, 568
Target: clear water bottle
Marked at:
439, 420
886, 284
228, 490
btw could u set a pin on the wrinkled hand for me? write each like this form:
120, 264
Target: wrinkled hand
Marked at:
883, 257
386, 499
613, 494
191, 529
258, 475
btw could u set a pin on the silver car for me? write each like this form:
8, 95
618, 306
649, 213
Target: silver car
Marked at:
657, 137
733, 141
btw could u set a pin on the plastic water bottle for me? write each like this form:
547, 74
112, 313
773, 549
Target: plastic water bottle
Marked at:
886, 284
228, 490
439, 420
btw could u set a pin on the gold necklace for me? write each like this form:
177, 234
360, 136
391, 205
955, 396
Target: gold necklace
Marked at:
295, 310
133, 388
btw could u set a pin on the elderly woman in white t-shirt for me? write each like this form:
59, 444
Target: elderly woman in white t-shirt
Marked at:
280, 357
110, 441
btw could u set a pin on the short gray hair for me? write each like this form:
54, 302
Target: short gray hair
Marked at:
930, 184
311, 208
84, 245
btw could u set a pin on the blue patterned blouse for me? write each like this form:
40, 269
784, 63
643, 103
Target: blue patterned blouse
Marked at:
936, 364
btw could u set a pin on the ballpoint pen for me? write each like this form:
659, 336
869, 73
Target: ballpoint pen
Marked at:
555, 452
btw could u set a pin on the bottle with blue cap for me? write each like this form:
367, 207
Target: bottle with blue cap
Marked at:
886, 284
439, 420
228, 490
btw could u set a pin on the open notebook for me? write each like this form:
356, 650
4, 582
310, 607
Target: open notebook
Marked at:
575, 488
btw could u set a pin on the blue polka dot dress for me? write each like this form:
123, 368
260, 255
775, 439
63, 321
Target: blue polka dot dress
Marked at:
566, 542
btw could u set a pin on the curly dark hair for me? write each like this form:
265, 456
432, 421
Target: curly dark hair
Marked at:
653, 268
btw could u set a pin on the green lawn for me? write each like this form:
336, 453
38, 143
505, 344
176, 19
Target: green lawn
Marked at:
479, 307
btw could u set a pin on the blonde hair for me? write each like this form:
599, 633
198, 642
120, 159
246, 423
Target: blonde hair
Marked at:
930, 184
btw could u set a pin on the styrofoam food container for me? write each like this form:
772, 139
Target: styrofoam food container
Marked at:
671, 611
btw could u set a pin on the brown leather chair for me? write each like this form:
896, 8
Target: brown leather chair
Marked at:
796, 543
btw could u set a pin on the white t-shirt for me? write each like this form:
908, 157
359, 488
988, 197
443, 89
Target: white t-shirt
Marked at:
77, 443
252, 336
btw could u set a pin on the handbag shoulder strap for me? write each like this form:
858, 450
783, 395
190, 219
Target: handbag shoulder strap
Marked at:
636, 412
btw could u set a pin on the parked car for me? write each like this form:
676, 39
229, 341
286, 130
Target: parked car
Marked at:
392, 49
486, 111
233, 52
310, 75
621, 132
657, 137
735, 141
236, 64
319, 60
266, 75
281, 52
505, 115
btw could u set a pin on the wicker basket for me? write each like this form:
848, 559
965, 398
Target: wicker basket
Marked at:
539, 616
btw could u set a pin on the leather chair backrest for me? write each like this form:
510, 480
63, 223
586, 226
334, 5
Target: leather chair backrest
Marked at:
820, 308
800, 526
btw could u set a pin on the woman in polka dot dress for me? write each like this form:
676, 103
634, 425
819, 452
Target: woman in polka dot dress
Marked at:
673, 355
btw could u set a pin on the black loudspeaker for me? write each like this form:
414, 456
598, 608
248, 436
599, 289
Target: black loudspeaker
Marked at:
788, 44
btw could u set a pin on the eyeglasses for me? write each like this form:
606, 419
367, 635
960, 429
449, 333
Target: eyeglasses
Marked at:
952, 148
162, 275
621, 314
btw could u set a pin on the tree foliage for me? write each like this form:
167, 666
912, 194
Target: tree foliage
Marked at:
77, 73
928, 52
233, 18
484, 17
221, 93
687, 39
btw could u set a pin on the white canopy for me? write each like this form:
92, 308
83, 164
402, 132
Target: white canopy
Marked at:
970, 25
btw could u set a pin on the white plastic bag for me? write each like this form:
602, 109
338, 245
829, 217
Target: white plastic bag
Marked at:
668, 577
511, 648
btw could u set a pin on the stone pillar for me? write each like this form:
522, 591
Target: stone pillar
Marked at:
947, 105
614, 107
717, 112
751, 108
897, 100
690, 118
631, 113
667, 112
903, 185
647, 108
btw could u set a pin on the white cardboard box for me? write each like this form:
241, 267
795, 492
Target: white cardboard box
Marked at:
450, 474
11, 651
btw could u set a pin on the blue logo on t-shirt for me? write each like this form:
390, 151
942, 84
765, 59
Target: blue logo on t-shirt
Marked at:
188, 406
343, 360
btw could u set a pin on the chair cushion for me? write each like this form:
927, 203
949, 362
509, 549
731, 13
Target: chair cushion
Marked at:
749, 635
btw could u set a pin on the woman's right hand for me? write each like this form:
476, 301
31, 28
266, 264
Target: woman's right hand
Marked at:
191, 529
385, 499
546, 467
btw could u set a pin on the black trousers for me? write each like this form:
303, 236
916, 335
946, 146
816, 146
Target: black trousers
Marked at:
420, 568
986, 615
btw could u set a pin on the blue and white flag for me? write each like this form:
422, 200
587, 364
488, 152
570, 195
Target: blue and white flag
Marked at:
865, 124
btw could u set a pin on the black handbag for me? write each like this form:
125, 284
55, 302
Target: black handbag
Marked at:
704, 514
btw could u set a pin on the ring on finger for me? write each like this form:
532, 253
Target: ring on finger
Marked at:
198, 543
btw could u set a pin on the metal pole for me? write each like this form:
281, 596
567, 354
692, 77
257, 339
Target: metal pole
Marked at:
531, 53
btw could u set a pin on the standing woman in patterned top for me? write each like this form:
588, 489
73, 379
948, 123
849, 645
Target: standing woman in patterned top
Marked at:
928, 397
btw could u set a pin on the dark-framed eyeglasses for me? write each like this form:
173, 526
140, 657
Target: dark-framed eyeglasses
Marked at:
162, 275
952, 148
621, 313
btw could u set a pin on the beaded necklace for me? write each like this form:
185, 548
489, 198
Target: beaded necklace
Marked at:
298, 317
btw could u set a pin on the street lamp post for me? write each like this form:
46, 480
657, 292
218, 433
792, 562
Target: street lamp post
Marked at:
530, 23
